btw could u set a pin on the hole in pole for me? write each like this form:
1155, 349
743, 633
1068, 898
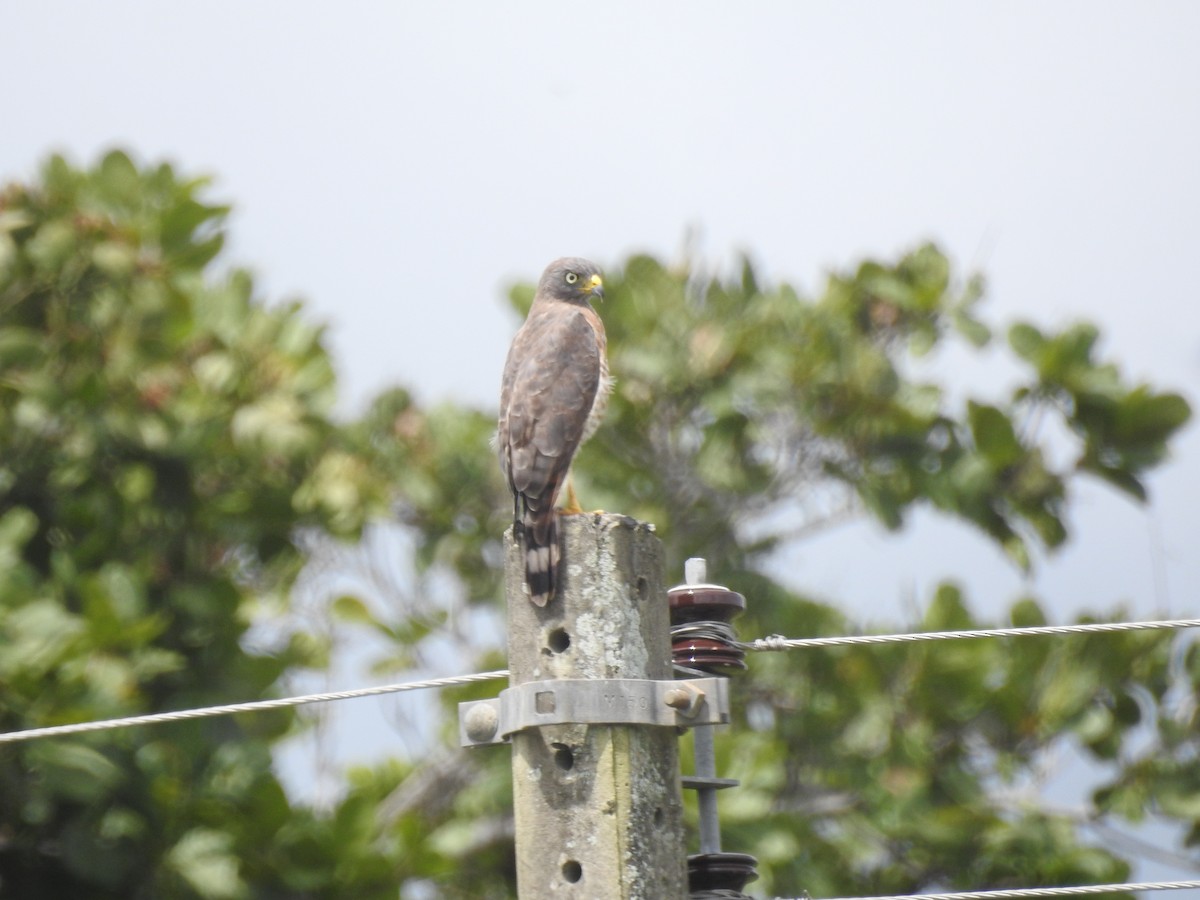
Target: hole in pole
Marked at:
643, 588
559, 640
572, 871
564, 758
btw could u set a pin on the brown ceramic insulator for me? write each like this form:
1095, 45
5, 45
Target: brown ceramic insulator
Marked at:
701, 635
720, 872
717, 657
704, 602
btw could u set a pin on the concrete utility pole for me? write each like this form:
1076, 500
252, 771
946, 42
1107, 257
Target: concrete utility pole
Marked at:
597, 806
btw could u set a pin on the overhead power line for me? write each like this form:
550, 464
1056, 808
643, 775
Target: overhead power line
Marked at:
1021, 893
772, 643
13, 737
779, 642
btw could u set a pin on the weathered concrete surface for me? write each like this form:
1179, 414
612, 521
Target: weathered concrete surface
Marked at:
598, 808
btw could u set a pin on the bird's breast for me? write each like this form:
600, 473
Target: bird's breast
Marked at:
599, 402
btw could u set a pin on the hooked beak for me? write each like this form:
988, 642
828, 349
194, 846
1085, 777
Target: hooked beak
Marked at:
595, 286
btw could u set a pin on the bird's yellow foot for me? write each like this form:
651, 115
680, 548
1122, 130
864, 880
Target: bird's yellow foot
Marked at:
571, 507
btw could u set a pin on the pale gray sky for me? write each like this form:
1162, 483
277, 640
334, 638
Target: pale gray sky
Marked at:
399, 164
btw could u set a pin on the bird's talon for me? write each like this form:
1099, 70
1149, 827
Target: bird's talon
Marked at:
571, 507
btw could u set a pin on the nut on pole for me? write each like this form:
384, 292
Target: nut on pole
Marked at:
481, 721
684, 698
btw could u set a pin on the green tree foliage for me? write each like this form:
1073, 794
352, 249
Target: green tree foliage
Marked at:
746, 416
164, 436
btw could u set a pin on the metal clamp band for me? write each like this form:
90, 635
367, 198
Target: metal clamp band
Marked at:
603, 701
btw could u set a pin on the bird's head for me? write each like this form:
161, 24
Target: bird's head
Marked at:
573, 279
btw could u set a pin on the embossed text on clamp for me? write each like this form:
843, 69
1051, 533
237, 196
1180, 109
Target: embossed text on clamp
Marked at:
604, 701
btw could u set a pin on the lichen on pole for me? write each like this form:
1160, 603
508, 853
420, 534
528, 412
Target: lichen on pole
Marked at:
597, 807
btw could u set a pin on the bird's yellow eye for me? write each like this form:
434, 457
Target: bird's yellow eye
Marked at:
572, 278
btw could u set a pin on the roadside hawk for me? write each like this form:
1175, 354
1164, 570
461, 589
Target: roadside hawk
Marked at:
552, 398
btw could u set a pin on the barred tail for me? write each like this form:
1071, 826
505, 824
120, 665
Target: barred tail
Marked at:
539, 537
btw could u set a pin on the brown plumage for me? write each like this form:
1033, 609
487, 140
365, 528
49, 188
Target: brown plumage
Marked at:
552, 398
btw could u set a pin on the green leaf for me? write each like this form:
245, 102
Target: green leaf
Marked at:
118, 178
994, 435
20, 347
9, 256
17, 525
1179, 796
1146, 417
40, 635
977, 333
204, 858
351, 609
50, 247
274, 422
74, 770
1018, 551
1026, 341
114, 258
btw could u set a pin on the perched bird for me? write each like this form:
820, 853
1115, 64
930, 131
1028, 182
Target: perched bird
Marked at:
552, 398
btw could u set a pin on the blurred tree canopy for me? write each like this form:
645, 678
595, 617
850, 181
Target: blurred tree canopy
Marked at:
164, 434
167, 452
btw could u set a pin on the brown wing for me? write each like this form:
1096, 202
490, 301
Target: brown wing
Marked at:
550, 381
